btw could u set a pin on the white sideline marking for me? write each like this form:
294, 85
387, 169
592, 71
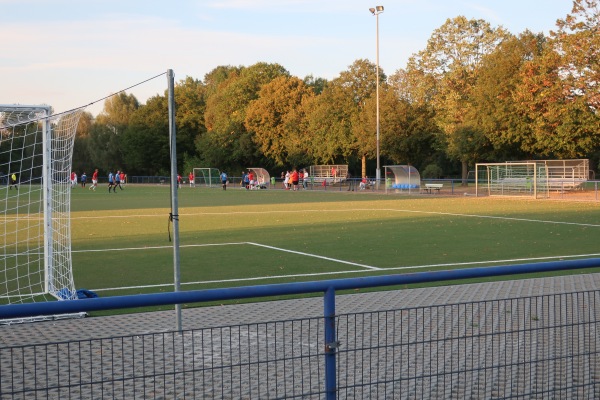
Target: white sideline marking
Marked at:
154, 247
256, 278
227, 244
272, 277
316, 256
344, 211
494, 217
316, 274
493, 261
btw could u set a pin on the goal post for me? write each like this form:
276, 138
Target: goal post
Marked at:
207, 177
513, 179
36, 150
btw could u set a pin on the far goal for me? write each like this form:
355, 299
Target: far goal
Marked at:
522, 179
208, 177
35, 161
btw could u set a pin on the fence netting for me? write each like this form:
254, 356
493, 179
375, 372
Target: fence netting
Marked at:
532, 347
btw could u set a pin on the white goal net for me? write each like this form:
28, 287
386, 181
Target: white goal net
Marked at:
524, 179
35, 159
208, 177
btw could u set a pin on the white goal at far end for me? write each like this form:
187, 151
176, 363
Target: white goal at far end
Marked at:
207, 177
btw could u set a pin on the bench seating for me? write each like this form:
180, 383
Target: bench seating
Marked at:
430, 187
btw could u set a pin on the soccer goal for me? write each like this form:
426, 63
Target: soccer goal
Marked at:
525, 179
36, 151
209, 177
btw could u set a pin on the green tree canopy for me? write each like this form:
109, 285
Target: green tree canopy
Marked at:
226, 113
276, 120
448, 68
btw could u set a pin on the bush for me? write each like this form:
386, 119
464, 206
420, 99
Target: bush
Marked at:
432, 171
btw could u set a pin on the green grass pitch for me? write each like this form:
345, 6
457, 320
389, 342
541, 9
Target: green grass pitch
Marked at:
120, 241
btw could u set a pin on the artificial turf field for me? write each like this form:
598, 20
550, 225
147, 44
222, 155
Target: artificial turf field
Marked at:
120, 241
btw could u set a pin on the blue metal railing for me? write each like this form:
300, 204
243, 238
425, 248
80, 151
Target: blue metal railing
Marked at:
327, 287
244, 292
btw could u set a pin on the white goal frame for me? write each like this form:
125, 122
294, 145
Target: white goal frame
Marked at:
37, 147
213, 175
512, 179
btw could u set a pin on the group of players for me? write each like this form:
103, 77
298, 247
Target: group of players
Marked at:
114, 180
291, 179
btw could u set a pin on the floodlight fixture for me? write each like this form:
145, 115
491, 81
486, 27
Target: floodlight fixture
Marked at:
376, 11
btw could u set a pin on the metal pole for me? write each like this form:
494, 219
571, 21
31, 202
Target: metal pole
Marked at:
174, 202
331, 344
376, 11
48, 199
378, 171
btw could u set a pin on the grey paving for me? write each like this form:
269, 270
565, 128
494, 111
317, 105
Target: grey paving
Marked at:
417, 351
216, 316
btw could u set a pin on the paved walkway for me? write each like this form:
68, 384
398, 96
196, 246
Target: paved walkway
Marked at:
202, 317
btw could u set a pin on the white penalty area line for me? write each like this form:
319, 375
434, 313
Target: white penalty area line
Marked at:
155, 247
229, 244
365, 268
318, 274
316, 256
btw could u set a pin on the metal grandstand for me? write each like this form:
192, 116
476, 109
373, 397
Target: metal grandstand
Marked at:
331, 174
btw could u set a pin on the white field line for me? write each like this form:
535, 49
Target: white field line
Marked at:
346, 211
316, 256
317, 274
272, 277
256, 278
226, 244
331, 259
155, 247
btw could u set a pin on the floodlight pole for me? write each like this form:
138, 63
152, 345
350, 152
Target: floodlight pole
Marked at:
174, 200
376, 11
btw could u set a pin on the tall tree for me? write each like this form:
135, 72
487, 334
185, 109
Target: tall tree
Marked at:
81, 156
448, 70
215, 78
103, 148
407, 130
113, 120
190, 106
494, 109
117, 111
329, 125
276, 120
226, 113
578, 42
359, 85
562, 123
317, 84
146, 140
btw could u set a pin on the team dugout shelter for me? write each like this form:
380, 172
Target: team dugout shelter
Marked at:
400, 178
262, 179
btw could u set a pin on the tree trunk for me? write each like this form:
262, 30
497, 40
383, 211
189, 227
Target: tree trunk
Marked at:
364, 166
465, 173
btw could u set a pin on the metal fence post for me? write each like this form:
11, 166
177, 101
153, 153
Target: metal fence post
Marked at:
331, 344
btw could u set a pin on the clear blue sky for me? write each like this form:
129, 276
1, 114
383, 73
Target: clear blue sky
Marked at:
69, 53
